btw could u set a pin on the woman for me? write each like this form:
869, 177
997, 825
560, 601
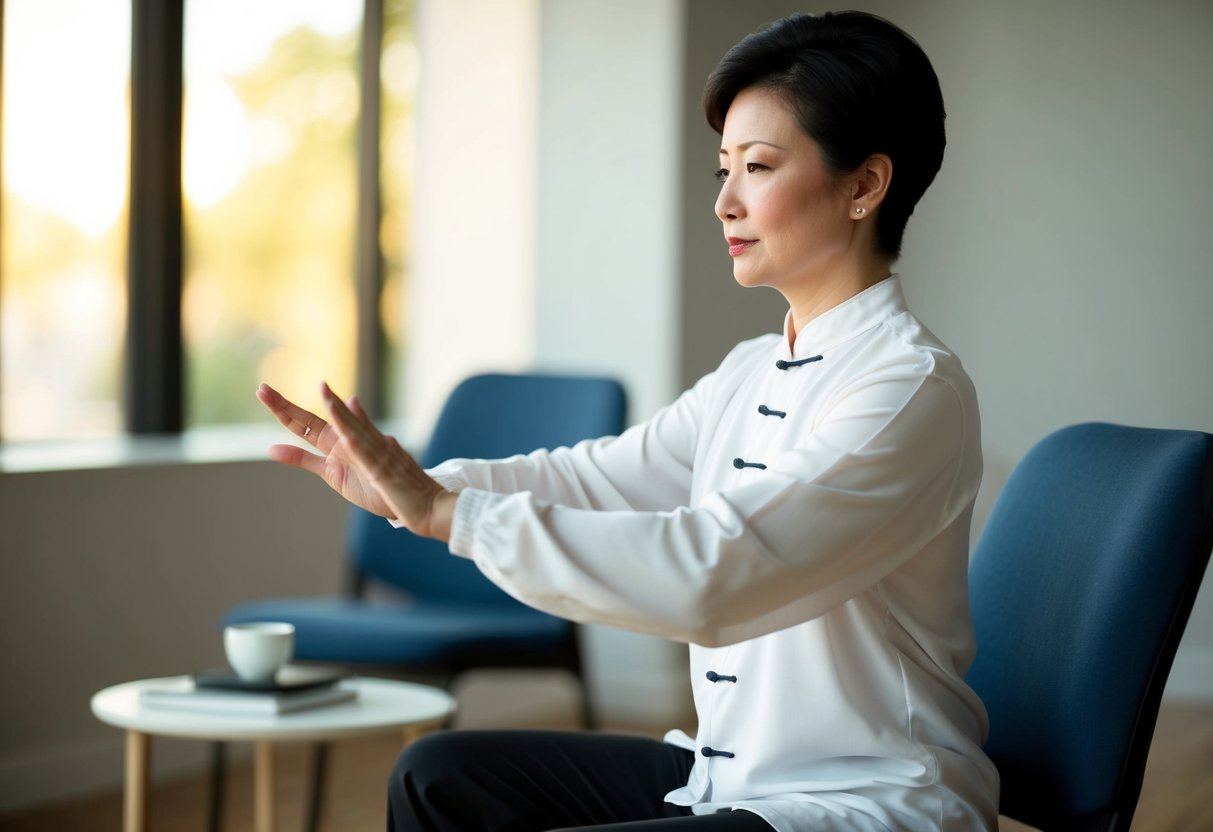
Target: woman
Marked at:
800, 516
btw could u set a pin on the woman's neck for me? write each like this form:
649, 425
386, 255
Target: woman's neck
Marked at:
811, 299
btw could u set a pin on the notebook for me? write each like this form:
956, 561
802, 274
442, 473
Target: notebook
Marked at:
184, 694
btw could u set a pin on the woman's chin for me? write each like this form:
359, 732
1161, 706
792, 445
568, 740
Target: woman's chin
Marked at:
747, 278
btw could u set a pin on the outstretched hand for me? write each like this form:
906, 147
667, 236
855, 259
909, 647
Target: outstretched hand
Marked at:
360, 463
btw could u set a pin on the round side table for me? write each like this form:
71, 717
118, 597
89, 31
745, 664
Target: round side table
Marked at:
382, 705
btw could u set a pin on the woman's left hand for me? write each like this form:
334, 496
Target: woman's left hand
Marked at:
417, 500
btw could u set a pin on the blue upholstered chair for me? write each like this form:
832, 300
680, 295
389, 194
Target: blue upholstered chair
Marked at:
456, 618
1081, 587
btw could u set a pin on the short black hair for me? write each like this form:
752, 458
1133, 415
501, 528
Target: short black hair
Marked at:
858, 85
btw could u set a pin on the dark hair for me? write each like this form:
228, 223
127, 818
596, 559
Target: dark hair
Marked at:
858, 85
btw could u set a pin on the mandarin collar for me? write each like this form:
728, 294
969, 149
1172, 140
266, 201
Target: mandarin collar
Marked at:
853, 316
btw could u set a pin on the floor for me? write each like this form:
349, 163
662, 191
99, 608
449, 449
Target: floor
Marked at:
1177, 795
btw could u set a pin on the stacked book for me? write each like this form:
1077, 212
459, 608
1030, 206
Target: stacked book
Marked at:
293, 688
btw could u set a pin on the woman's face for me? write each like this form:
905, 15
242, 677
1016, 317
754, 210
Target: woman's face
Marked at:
785, 216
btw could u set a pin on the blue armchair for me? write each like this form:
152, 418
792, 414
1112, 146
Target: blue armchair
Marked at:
1081, 587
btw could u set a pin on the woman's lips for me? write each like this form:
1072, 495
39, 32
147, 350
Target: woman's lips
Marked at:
737, 245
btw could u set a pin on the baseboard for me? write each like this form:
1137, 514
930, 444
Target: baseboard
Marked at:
62, 773
1191, 679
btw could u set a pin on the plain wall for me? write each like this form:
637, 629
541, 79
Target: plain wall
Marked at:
470, 300
123, 573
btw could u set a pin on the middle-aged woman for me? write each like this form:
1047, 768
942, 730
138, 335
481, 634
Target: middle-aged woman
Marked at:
800, 516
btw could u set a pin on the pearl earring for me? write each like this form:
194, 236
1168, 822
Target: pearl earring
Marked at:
860, 211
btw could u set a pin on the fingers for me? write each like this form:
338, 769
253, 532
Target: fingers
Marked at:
379, 456
303, 423
297, 457
364, 440
401, 483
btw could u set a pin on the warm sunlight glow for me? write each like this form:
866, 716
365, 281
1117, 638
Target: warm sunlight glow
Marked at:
269, 174
66, 140
65, 137
216, 141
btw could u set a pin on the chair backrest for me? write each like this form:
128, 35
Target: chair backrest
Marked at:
1081, 588
485, 417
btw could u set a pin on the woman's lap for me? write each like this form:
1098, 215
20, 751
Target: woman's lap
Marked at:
545, 780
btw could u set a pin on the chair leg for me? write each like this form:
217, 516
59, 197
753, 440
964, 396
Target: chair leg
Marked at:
574, 660
216, 786
588, 720
316, 804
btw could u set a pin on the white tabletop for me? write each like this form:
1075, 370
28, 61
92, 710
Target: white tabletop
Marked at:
381, 704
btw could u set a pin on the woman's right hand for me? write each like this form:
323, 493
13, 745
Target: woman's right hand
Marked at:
332, 464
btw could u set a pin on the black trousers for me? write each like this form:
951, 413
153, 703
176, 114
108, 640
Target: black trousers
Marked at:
533, 781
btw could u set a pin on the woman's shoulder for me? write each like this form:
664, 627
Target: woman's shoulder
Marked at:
920, 343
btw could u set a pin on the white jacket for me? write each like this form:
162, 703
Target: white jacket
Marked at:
802, 520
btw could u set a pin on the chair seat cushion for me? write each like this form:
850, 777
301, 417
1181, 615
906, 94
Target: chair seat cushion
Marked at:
344, 630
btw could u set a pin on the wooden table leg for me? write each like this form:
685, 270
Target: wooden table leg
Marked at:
264, 803
138, 758
411, 734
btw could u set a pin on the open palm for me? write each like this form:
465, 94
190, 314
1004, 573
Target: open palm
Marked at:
362, 464
333, 464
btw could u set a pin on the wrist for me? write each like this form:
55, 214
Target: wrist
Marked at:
442, 515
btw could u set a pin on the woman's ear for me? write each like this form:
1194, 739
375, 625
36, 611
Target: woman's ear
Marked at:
870, 184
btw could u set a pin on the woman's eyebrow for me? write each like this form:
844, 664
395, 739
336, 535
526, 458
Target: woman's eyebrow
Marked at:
749, 144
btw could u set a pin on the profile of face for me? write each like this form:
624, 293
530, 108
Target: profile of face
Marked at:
787, 218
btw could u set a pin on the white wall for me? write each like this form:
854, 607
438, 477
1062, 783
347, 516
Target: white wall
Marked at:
123, 573
609, 193
471, 294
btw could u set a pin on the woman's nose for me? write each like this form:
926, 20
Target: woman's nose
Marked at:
728, 206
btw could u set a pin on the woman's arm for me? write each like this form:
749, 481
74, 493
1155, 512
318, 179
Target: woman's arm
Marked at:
646, 468
890, 467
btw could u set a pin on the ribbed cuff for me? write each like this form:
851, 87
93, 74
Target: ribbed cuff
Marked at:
469, 508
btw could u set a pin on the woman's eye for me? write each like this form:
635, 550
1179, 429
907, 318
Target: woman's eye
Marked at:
721, 175
753, 166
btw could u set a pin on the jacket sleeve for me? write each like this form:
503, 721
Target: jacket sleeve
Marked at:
875, 480
646, 468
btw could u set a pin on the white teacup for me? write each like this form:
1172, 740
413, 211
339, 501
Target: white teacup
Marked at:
257, 649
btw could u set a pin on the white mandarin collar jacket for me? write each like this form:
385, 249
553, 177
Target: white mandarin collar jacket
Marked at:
801, 519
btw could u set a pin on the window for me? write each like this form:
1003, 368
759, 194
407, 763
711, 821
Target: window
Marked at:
291, 268
63, 217
270, 174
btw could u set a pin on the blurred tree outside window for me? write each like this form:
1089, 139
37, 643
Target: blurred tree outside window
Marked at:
270, 173
63, 209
